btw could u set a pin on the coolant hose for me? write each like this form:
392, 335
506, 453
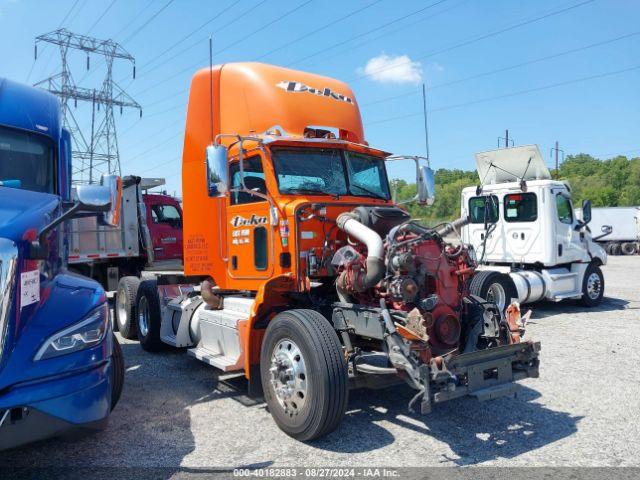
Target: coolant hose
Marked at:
349, 223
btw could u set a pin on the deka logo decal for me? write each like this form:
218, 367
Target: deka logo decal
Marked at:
298, 87
253, 221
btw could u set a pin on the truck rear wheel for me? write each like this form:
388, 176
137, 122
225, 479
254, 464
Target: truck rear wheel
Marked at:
304, 374
494, 287
613, 248
592, 286
629, 248
148, 316
125, 306
117, 370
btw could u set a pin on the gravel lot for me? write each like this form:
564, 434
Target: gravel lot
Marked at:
583, 411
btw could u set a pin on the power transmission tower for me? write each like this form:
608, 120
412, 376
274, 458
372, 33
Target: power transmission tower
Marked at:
95, 149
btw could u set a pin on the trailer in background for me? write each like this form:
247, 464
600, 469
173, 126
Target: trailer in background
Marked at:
617, 229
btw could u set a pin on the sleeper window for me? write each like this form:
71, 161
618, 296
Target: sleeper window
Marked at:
521, 207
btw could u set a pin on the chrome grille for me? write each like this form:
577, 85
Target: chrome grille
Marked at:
8, 265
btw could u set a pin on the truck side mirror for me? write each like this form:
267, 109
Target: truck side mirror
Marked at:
217, 171
113, 184
586, 211
426, 186
104, 198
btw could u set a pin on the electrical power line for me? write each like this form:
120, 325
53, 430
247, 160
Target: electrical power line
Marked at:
141, 27
155, 147
474, 39
192, 33
396, 20
504, 69
106, 10
170, 97
507, 95
134, 19
319, 29
391, 32
68, 13
133, 34
245, 37
200, 41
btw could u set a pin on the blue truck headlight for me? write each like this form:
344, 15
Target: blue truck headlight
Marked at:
84, 334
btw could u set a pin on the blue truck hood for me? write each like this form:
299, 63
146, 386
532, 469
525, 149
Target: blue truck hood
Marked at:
23, 210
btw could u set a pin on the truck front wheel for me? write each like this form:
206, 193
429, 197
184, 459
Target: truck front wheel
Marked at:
494, 287
592, 286
304, 374
117, 370
125, 306
148, 316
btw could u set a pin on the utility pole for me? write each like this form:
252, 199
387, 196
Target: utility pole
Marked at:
506, 139
96, 153
554, 152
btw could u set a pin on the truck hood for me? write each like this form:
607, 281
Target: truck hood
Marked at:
24, 210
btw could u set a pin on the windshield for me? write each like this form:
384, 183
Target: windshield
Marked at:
330, 172
167, 214
26, 161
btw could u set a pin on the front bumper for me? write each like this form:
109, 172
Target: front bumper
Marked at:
56, 405
485, 374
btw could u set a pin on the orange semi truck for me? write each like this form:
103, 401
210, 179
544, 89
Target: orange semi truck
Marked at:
302, 274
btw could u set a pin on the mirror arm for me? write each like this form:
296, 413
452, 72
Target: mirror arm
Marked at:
38, 249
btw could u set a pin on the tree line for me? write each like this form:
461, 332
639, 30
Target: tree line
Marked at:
607, 183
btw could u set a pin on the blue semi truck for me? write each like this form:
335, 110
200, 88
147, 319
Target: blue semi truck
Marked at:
61, 368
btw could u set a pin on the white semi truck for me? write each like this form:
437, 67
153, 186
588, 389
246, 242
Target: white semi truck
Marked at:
528, 242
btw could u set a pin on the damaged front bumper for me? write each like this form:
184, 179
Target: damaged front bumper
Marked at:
484, 374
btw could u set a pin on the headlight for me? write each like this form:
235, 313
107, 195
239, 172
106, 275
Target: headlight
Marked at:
85, 334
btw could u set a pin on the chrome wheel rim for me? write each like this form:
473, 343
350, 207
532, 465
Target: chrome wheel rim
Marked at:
497, 295
143, 317
122, 309
594, 286
288, 376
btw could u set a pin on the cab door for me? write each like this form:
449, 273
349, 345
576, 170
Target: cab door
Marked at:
164, 220
522, 228
568, 243
249, 236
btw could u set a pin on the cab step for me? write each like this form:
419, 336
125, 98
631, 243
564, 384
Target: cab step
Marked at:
222, 362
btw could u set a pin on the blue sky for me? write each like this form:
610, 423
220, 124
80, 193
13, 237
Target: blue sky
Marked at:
560, 73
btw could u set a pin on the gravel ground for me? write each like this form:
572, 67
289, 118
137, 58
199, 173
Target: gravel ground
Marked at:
583, 411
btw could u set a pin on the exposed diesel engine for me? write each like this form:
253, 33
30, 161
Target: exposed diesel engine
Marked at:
416, 282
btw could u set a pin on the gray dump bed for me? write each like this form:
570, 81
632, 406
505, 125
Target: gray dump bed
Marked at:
89, 241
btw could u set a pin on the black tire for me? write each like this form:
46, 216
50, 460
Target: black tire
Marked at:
117, 370
589, 298
148, 316
325, 378
125, 306
629, 248
614, 249
483, 281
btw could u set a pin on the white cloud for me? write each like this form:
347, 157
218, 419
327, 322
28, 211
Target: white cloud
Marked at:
389, 69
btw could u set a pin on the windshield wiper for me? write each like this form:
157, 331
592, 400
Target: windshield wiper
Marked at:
311, 190
370, 193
